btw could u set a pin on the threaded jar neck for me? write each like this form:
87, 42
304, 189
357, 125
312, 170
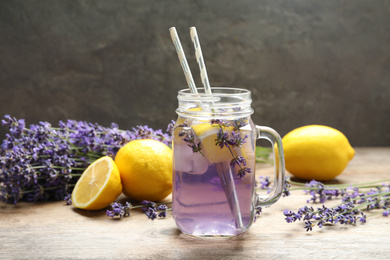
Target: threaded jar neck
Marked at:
224, 103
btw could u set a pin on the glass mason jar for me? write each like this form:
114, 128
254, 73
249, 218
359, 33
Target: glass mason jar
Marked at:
214, 142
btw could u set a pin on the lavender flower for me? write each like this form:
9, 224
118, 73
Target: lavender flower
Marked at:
318, 192
170, 127
148, 204
222, 139
291, 216
258, 211
236, 140
242, 172
153, 210
239, 160
363, 218
162, 210
151, 213
219, 122
68, 199
309, 225
43, 162
119, 210
286, 188
265, 182
15, 126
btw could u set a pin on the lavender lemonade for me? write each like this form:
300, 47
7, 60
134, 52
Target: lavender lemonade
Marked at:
214, 141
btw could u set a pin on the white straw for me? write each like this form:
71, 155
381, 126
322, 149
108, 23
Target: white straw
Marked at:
200, 60
227, 179
183, 60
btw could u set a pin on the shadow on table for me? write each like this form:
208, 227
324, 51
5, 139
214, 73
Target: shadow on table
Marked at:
175, 232
122, 200
205, 248
90, 213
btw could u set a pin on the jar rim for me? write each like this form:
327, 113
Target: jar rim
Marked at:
224, 102
224, 91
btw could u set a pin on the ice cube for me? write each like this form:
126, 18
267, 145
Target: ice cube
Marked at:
188, 161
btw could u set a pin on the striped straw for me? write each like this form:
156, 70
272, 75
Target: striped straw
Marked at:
183, 60
200, 60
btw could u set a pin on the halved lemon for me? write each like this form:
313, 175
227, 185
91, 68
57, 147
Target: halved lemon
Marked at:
99, 185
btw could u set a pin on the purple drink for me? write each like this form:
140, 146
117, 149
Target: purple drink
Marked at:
214, 143
209, 197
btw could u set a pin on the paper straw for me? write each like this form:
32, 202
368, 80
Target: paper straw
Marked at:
227, 179
183, 60
200, 60
224, 171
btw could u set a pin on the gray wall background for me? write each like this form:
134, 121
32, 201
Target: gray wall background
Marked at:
306, 61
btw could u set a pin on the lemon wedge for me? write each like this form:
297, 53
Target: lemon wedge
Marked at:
98, 186
207, 133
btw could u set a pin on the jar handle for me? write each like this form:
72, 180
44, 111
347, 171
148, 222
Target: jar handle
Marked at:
264, 132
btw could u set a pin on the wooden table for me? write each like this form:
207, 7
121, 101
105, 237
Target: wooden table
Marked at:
53, 230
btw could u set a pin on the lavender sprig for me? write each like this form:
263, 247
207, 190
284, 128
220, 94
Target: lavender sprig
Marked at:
234, 140
151, 209
345, 213
43, 162
356, 200
188, 136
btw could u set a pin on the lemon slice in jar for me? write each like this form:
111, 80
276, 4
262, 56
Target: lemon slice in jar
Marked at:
207, 133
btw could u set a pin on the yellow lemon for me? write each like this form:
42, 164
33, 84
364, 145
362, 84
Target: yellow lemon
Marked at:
316, 152
98, 186
145, 168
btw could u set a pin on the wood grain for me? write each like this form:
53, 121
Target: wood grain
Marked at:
53, 230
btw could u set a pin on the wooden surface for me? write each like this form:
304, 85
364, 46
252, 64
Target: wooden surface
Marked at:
54, 230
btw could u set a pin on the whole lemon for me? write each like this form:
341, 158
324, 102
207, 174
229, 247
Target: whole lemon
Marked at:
145, 167
316, 152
